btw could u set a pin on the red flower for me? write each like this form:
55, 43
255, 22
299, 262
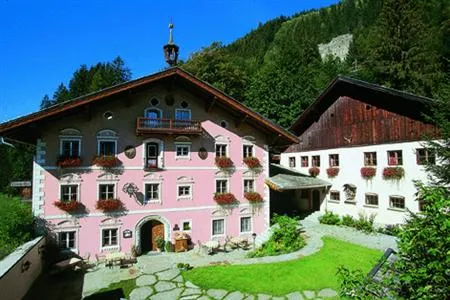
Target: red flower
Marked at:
68, 161
253, 197
332, 172
252, 162
69, 206
314, 171
109, 204
105, 161
224, 198
368, 172
224, 162
393, 173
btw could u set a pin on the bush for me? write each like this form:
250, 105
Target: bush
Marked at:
168, 246
348, 220
365, 223
391, 229
160, 243
286, 238
184, 267
354, 284
329, 218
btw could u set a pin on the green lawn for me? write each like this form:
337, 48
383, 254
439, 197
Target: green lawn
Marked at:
313, 272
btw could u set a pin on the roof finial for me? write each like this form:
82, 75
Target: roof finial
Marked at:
170, 49
170, 32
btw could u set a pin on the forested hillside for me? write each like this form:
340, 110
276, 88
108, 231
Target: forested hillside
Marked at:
277, 70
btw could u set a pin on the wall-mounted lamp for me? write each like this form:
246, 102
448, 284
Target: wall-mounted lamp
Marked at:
254, 238
176, 228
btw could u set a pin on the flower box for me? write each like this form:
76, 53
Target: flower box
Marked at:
368, 172
394, 173
68, 161
332, 172
253, 197
314, 171
105, 161
109, 204
224, 162
68, 206
224, 198
252, 162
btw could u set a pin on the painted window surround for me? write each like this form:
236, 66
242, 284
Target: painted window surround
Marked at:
107, 135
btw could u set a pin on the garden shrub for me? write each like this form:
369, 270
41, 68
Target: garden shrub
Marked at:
348, 220
391, 229
286, 237
329, 218
354, 284
365, 223
168, 246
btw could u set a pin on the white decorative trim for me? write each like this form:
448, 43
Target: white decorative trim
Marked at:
68, 226
70, 178
266, 196
184, 197
38, 179
179, 168
182, 139
70, 132
108, 177
78, 184
69, 139
110, 223
190, 225
107, 135
179, 144
150, 181
222, 179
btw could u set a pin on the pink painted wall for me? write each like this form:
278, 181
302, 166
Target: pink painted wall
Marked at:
201, 209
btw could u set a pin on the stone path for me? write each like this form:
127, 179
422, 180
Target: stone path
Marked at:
169, 284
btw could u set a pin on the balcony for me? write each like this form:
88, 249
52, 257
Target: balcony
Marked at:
167, 126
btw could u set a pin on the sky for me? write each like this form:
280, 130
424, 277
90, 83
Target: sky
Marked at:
43, 42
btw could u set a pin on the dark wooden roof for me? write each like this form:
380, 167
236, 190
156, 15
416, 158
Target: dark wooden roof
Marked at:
20, 124
396, 101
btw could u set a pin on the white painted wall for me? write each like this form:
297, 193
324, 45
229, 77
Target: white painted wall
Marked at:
350, 162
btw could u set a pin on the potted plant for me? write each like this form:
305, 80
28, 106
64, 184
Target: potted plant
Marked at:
160, 243
224, 162
253, 197
252, 162
105, 161
68, 206
393, 173
224, 198
68, 161
314, 171
107, 205
332, 172
368, 172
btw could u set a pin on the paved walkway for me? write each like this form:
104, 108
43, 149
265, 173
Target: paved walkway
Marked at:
158, 277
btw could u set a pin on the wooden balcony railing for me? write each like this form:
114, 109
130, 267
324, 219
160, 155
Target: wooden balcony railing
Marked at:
169, 126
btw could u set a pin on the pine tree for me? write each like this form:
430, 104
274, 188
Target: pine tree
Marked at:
46, 102
61, 94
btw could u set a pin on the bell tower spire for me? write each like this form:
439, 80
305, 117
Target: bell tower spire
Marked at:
170, 49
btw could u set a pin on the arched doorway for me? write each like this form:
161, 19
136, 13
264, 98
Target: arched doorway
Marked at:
151, 231
316, 200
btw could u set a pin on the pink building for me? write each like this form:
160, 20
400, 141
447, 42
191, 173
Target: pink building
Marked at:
138, 161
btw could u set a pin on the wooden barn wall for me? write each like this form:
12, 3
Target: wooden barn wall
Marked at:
349, 122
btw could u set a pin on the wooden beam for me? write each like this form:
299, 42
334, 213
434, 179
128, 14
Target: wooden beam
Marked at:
210, 103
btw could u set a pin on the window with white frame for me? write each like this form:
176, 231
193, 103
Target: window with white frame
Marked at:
106, 191
370, 158
395, 158
397, 202
221, 150
66, 239
152, 192
69, 192
110, 237
218, 227
182, 150
247, 151
304, 161
186, 225
221, 186
335, 196
333, 160
249, 185
292, 162
184, 191
70, 148
371, 199
246, 224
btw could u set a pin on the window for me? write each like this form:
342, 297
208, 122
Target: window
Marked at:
292, 162
106, 191
425, 157
221, 150
66, 240
370, 158
334, 160
305, 161
69, 193
182, 114
246, 224
152, 151
184, 191
182, 151
109, 237
151, 192
397, 202
247, 151
187, 225
315, 161
335, 195
106, 148
249, 185
221, 186
372, 199
218, 227
395, 158
70, 148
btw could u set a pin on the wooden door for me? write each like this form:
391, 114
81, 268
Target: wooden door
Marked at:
157, 232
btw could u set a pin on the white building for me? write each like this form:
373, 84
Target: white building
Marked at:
355, 128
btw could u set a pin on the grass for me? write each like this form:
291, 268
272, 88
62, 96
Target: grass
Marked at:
126, 285
313, 272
